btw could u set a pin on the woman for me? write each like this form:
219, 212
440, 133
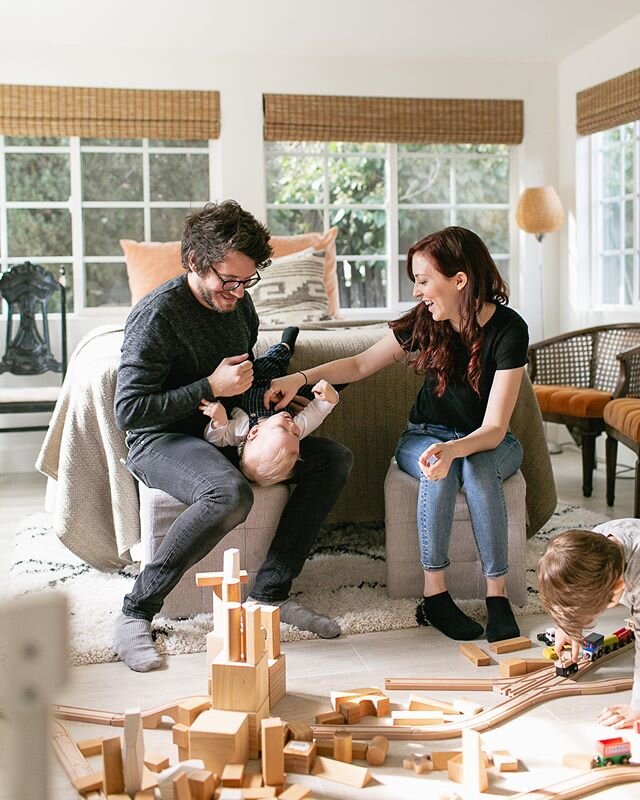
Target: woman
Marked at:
471, 349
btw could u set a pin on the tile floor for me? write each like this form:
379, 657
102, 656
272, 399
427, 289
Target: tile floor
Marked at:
538, 737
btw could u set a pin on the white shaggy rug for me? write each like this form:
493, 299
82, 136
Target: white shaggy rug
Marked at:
345, 578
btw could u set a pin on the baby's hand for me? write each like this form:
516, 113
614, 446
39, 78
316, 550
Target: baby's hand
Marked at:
325, 391
216, 411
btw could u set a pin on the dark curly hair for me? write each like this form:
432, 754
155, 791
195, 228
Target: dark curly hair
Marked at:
453, 250
213, 231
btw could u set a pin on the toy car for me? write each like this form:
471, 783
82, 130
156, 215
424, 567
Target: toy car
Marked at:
548, 636
565, 670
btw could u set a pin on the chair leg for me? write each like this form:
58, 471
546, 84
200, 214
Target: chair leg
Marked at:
636, 494
611, 449
588, 462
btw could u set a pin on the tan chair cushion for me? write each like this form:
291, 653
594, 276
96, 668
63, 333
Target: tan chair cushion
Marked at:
624, 415
572, 401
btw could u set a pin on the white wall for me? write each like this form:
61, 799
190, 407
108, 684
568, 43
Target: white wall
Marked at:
242, 80
611, 55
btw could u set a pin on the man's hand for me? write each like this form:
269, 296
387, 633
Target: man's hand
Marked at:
232, 376
618, 716
216, 411
562, 639
325, 391
282, 390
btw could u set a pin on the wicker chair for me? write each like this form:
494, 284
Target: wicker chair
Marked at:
575, 375
622, 422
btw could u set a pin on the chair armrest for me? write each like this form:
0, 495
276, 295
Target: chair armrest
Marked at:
629, 378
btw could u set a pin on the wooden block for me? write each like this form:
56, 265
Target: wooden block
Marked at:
474, 771
277, 678
272, 755
577, 760
455, 769
342, 747
216, 578
189, 709
238, 686
295, 792
231, 564
112, 766
254, 635
295, 729
257, 792
475, 655
155, 762
511, 667
381, 704
180, 734
504, 761
133, 766
232, 648
231, 591
180, 786
342, 697
90, 747
255, 726
377, 751
466, 706
324, 747
88, 783
359, 750
330, 718
534, 664
299, 756
418, 763
145, 794
351, 711
509, 645
233, 775
441, 758
270, 621
202, 784
417, 717
215, 644
219, 738
348, 774
229, 793
252, 780
419, 703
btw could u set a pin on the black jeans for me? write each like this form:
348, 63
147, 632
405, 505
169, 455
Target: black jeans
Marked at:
219, 498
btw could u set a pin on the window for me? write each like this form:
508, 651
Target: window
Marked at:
615, 159
68, 201
383, 198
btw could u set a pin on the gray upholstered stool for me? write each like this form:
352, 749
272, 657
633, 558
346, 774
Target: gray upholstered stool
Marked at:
158, 510
464, 576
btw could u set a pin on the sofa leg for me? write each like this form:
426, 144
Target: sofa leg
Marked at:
588, 462
611, 449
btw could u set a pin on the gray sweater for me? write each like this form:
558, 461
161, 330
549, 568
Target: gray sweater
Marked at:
171, 345
627, 532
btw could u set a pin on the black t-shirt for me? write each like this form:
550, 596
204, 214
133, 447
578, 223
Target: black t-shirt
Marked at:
505, 344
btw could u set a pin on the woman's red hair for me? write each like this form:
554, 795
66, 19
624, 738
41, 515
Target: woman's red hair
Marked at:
452, 250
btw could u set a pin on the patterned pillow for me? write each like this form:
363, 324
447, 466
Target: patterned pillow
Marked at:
292, 290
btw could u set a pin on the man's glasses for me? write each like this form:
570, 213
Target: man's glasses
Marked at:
228, 285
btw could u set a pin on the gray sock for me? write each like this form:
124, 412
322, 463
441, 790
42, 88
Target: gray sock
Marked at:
294, 614
134, 644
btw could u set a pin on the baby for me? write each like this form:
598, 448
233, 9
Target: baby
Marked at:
269, 446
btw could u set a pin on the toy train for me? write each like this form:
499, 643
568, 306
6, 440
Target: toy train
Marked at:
611, 751
593, 647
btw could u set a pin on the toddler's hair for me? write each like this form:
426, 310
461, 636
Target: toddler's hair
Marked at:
576, 576
265, 471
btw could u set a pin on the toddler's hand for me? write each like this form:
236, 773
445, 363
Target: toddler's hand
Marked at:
325, 391
216, 411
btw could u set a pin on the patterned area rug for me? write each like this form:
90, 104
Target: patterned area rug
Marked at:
345, 578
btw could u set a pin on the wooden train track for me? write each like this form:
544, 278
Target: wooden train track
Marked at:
73, 762
583, 784
151, 718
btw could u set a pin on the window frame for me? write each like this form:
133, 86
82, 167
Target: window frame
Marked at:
76, 206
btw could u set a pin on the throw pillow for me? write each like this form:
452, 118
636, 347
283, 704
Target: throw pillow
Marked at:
286, 245
150, 264
292, 291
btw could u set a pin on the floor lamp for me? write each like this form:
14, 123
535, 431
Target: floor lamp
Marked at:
540, 212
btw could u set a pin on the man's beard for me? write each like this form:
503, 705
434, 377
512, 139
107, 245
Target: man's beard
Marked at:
210, 299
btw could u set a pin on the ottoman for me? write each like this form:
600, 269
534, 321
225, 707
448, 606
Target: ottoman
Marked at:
464, 577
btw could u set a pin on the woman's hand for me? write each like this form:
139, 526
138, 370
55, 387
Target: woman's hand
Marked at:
282, 390
618, 716
436, 460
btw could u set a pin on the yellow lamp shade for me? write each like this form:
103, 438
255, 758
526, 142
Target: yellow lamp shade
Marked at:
539, 210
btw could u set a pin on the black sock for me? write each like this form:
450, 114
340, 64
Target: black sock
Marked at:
501, 624
444, 614
289, 336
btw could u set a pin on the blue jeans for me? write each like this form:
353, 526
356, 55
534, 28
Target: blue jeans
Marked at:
219, 498
480, 476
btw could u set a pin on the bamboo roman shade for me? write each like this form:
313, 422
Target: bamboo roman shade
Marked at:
108, 113
296, 117
609, 104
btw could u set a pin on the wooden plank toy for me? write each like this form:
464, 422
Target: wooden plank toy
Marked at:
509, 645
475, 655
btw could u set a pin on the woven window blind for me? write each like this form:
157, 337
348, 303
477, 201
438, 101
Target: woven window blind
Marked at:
295, 117
609, 104
108, 113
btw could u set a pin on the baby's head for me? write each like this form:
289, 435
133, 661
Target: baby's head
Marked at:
579, 575
271, 450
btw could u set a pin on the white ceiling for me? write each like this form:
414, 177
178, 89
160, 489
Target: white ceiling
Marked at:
424, 30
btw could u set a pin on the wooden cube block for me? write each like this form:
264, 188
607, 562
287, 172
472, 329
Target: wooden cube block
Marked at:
202, 784
238, 686
299, 756
511, 667
351, 711
232, 775
504, 761
219, 738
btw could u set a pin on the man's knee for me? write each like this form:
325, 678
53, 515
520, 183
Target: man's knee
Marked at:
341, 457
235, 495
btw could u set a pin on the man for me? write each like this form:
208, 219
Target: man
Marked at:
192, 340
